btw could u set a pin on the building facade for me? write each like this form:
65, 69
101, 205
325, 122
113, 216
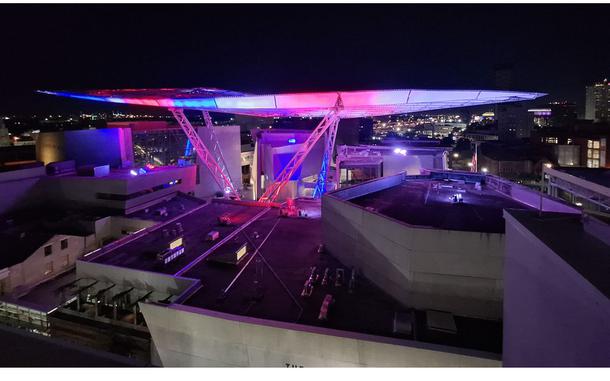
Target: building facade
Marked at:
597, 103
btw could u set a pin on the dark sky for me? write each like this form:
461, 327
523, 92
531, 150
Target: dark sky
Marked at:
274, 48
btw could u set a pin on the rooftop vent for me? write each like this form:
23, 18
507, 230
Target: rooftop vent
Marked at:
403, 323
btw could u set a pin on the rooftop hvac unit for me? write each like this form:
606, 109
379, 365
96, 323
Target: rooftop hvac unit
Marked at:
212, 235
231, 253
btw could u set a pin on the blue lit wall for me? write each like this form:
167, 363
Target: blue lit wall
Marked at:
86, 147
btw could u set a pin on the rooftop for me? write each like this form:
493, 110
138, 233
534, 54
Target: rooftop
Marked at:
267, 283
24, 231
429, 203
140, 253
565, 234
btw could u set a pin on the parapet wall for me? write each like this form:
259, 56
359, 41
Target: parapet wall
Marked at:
187, 336
457, 271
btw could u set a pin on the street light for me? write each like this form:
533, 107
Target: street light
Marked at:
484, 169
456, 155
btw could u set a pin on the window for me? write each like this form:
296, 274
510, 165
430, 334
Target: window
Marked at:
64, 244
48, 250
593, 153
66, 261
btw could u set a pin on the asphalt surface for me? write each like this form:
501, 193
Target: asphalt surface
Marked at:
428, 203
140, 254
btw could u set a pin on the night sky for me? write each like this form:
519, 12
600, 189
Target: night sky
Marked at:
556, 49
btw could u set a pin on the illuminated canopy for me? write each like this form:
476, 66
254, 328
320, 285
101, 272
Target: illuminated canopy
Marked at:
355, 103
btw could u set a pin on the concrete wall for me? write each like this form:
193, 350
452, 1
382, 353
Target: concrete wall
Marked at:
84, 189
552, 315
447, 270
186, 336
111, 228
19, 188
32, 271
230, 145
410, 164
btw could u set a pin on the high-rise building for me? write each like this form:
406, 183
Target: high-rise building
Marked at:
597, 106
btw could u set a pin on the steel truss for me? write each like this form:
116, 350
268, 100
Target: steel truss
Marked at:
328, 153
212, 158
329, 120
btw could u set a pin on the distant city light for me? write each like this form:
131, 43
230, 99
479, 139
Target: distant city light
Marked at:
470, 164
292, 140
133, 172
548, 165
484, 169
456, 155
400, 151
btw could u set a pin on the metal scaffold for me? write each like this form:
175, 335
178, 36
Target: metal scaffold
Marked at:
211, 157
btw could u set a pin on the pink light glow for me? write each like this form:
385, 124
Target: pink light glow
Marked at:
355, 103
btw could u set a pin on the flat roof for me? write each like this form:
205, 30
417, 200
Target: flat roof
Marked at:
426, 202
269, 285
140, 253
564, 234
271, 289
356, 104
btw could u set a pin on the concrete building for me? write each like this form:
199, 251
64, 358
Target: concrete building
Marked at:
514, 121
592, 140
83, 146
19, 185
125, 190
273, 149
597, 103
516, 162
557, 294
254, 313
32, 254
412, 237
354, 164
38, 276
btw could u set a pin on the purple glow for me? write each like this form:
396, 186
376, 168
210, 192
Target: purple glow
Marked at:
355, 103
